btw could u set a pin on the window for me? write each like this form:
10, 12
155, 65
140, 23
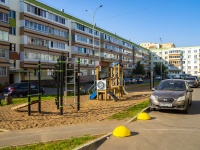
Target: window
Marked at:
12, 63
12, 31
12, 14
36, 11
3, 17
35, 72
3, 1
3, 71
2, 53
12, 47
3, 36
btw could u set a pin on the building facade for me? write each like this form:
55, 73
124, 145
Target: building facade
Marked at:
179, 60
31, 31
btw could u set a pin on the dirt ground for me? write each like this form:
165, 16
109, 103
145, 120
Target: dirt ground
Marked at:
90, 110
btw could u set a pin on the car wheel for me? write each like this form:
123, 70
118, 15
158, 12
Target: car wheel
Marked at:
186, 110
190, 104
152, 109
21, 95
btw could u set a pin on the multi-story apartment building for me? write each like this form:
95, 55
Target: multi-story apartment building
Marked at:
179, 60
31, 31
150, 45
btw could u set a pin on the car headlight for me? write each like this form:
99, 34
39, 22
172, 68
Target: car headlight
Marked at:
182, 98
152, 97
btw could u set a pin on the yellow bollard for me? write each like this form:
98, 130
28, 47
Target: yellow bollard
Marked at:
121, 131
143, 116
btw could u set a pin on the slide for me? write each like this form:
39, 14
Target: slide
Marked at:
114, 97
93, 96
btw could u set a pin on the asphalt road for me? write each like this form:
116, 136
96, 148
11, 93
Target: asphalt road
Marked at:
167, 130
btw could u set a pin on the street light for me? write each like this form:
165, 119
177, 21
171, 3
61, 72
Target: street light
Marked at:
161, 61
93, 15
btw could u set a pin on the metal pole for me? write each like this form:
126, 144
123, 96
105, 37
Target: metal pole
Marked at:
93, 15
58, 85
78, 85
61, 85
39, 87
29, 98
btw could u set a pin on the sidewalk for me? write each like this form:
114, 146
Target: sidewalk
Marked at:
23, 137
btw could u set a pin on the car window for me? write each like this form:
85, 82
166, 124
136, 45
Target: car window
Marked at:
190, 79
171, 86
23, 85
33, 86
14, 85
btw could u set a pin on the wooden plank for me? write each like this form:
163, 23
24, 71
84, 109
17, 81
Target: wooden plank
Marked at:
24, 105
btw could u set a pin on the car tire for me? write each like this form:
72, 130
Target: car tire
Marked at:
21, 95
190, 104
152, 109
186, 110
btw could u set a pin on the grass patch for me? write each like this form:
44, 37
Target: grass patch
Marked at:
56, 145
25, 99
131, 112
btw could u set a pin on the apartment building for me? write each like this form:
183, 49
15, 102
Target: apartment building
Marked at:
31, 31
179, 60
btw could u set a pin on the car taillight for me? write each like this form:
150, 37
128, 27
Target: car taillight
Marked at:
12, 89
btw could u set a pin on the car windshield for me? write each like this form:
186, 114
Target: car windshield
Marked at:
171, 86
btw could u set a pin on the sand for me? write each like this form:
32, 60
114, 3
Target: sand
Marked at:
90, 111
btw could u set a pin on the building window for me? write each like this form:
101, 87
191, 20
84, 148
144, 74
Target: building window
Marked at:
3, 1
12, 47
12, 63
36, 11
3, 17
35, 72
12, 14
3, 36
2, 53
12, 31
3, 71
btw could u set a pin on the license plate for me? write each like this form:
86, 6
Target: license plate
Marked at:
166, 104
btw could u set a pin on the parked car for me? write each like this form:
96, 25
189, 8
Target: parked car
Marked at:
139, 80
197, 79
171, 94
192, 81
157, 77
21, 89
129, 80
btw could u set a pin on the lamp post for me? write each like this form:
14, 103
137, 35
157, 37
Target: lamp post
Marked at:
93, 15
161, 61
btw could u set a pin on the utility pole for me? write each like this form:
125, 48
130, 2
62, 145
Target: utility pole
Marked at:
161, 60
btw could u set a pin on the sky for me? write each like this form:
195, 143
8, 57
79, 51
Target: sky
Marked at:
155, 21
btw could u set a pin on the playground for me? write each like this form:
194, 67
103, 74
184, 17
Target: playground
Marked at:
90, 111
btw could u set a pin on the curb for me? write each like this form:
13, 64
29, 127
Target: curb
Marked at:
97, 142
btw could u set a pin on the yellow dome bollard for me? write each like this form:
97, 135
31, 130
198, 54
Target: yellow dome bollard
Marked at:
143, 116
121, 131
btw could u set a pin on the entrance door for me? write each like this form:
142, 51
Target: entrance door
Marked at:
11, 78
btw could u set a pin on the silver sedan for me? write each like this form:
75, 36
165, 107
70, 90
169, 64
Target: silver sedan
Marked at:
171, 94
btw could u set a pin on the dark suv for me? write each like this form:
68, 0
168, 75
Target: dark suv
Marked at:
21, 89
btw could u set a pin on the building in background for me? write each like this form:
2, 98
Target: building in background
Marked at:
178, 60
31, 31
